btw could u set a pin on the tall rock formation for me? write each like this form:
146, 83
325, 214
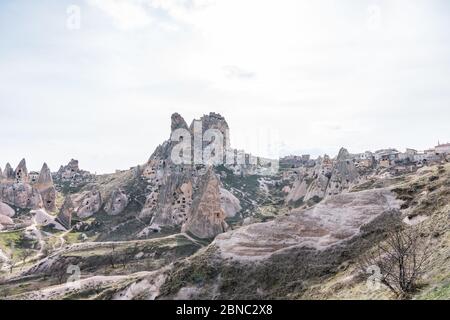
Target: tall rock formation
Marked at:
206, 218
21, 172
299, 189
46, 188
15, 189
213, 121
170, 184
178, 122
65, 213
117, 202
229, 203
343, 175
174, 188
8, 174
71, 176
321, 176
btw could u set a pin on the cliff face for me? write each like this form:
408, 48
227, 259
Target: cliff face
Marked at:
176, 188
343, 175
46, 188
206, 217
117, 202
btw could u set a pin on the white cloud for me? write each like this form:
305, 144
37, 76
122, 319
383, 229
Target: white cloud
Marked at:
127, 15
316, 72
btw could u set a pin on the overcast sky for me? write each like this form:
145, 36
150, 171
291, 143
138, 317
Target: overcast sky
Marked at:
290, 76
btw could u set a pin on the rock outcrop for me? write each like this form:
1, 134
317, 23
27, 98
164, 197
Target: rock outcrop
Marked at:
330, 177
69, 171
213, 121
321, 176
229, 203
299, 188
21, 172
21, 195
343, 175
71, 176
87, 203
46, 188
5, 222
65, 213
6, 210
117, 202
207, 218
8, 174
178, 122
274, 259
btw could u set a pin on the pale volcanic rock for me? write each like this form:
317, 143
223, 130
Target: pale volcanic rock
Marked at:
71, 173
329, 223
6, 210
178, 122
21, 172
117, 202
42, 218
214, 121
298, 190
170, 204
344, 174
8, 174
5, 221
20, 195
46, 188
87, 203
229, 203
207, 218
65, 213
321, 177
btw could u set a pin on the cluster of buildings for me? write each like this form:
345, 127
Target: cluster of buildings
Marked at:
402, 161
297, 161
391, 159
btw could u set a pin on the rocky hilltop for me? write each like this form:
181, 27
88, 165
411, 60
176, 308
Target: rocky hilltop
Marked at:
224, 229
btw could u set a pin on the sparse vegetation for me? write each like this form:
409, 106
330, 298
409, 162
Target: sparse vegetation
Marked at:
401, 260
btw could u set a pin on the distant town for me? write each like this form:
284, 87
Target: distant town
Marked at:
391, 159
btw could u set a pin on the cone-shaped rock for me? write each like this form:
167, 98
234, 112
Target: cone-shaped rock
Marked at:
9, 172
207, 218
46, 188
45, 176
178, 122
21, 173
344, 174
65, 214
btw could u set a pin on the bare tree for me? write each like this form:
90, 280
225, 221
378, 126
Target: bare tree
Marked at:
25, 254
401, 260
